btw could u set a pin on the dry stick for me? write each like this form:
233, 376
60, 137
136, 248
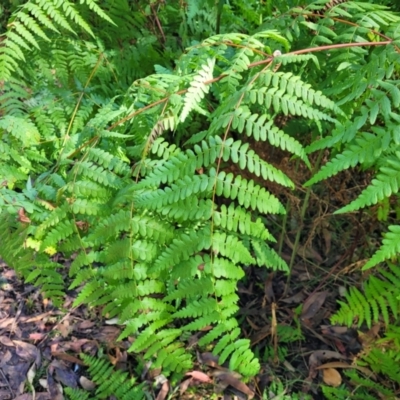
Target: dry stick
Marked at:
158, 23
302, 214
7, 382
350, 251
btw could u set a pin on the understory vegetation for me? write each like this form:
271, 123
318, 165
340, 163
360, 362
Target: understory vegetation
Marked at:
169, 149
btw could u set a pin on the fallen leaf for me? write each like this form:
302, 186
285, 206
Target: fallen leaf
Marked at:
229, 379
67, 357
86, 383
64, 328
67, 377
6, 341
313, 304
85, 325
319, 356
22, 217
5, 322
209, 359
162, 394
27, 351
55, 389
331, 377
340, 364
269, 289
327, 235
36, 336
296, 298
199, 376
31, 376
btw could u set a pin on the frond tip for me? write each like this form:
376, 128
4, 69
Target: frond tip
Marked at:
199, 86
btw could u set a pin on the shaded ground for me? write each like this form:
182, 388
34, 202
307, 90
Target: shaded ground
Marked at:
286, 319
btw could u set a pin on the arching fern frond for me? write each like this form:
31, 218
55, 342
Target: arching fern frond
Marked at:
365, 150
385, 184
390, 247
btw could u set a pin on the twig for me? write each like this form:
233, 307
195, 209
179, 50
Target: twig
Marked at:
8, 383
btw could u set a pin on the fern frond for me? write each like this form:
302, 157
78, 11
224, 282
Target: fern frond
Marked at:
181, 248
198, 88
237, 219
390, 247
265, 256
384, 185
231, 247
366, 149
109, 382
380, 296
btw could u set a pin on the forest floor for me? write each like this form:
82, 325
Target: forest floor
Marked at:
286, 318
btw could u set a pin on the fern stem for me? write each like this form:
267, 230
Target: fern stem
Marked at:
78, 103
283, 227
302, 215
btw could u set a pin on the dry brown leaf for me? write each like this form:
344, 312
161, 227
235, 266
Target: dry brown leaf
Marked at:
6, 341
296, 298
228, 378
340, 364
55, 389
199, 376
27, 351
162, 394
67, 357
86, 383
269, 289
22, 217
85, 325
5, 322
331, 377
313, 304
209, 359
36, 336
318, 357
67, 377
327, 235
64, 328
196, 377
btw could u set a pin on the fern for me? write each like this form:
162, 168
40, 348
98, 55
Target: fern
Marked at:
108, 381
129, 173
380, 299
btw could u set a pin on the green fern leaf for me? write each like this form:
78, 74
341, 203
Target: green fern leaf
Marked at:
385, 184
389, 249
198, 88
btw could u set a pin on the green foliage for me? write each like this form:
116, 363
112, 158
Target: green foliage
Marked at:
141, 162
380, 300
109, 382
277, 390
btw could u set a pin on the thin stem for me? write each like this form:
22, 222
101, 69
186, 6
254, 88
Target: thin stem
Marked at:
302, 215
